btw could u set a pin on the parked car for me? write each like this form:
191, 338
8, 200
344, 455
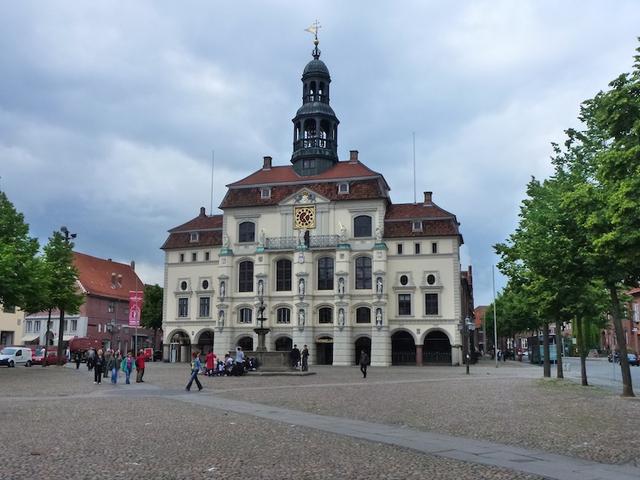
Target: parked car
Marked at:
52, 356
633, 359
157, 355
12, 356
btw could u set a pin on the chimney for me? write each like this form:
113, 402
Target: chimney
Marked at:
267, 163
202, 212
353, 156
427, 198
119, 284
133, 265
113, 279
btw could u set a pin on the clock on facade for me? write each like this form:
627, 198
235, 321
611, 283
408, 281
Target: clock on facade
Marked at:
304, 217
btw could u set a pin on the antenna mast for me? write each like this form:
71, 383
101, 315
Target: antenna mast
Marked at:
213, 157
414, 167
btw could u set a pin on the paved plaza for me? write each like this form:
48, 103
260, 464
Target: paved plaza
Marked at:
401, 422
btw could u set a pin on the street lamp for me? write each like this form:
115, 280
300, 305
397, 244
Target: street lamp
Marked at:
466, 327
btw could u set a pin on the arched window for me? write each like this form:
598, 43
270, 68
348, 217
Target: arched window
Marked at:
309, 128
245, 315
283, 315
312, 91
246, 343
362, 226
245, 276
325, 273
363, 315
325, 315
363, 272
247, 232
321, 91
283, 275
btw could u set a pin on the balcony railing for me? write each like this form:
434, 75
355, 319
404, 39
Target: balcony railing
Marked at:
290, 243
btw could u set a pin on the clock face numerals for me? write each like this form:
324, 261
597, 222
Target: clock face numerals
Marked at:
305, 217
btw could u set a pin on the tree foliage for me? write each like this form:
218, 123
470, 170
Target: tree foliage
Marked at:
18, 262
152, 309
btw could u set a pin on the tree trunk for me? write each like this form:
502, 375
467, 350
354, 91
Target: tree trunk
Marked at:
582, 349
545, 350
627, 387
60, 337
559, 371
46, 339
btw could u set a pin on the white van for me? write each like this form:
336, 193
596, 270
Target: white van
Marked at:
12, 356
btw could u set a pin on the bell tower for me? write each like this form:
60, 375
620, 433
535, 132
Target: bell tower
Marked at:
315, 126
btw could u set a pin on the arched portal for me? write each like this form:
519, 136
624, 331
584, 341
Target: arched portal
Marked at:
205, 342
246, 343
403, 349
437, 348
324, 351
179, 347
362, 344
284, 344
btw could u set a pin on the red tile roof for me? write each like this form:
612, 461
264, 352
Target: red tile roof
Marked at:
250, 197
416, 211
96, 274
286, 174
398, 221
201, 222
209, 230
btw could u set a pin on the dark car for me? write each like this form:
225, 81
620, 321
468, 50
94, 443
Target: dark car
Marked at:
633, 359
157, 355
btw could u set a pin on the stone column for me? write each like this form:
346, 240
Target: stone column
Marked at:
380, 347
418, 355
343, 346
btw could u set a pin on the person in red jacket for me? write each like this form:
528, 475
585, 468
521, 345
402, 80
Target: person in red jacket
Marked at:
210, 363
140, 367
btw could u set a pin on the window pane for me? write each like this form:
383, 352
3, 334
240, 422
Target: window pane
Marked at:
404, 304
325, 315
244, 316
204, 306
283, 315
362, 226
363, 315
283, 275
183, 307
431, 304
245, 277
363, 272
247, 232
325, 273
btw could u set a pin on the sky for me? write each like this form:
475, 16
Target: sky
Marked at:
110, 110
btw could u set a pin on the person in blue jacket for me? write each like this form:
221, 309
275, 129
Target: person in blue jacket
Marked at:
195, 369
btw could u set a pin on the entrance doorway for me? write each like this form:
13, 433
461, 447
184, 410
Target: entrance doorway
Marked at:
403, 349
284, 344
437, 349
363, 343
180, 350
324, 351
205, 342
246, 343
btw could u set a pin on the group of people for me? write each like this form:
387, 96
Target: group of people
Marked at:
231, 365
299, 359
109, 362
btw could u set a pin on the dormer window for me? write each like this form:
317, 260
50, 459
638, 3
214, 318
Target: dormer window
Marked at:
194, 237
416, 225
265, 193
343, 188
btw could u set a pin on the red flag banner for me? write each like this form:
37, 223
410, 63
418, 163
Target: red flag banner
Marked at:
135, 307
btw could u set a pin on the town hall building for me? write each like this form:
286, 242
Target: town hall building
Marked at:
317, 252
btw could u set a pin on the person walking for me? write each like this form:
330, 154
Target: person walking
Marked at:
195, 369
111, 366
78, 359
98, 363
295, 356
239, 355
210, 362
140, 367
128, 363
91, 355
305, 358
364, 362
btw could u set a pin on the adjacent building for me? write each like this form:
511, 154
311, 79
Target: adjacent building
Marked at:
318, 252
105, 313
11, 325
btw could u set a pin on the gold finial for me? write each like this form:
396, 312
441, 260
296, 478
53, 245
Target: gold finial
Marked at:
314, 29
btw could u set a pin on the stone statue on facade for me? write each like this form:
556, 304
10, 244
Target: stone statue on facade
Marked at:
379, 317
221, 318
260, 288
341, 286
341, 317
225, 240
262, 238
301, 287
342, 232
379, 286
301, 318
378, 234
222, 290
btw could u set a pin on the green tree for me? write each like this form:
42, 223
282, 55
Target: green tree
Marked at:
606, 204
64, 292
18, 261
151, 316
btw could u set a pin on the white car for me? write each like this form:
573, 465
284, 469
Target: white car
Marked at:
12, 356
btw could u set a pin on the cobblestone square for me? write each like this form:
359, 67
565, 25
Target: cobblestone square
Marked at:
56, 423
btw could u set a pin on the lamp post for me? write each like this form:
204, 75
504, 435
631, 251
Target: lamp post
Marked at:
466, 327
67, 236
